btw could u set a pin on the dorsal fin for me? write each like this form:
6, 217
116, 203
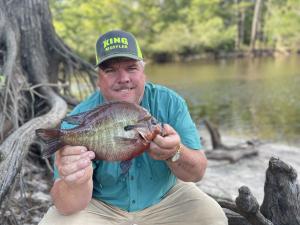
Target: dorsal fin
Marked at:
76, 119
81, 118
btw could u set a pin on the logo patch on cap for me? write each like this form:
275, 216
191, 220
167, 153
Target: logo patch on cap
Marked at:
115, 42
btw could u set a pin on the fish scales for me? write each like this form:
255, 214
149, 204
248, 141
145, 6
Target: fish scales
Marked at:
102, 130
102, 137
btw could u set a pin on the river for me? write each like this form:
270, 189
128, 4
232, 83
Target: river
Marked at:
256, 98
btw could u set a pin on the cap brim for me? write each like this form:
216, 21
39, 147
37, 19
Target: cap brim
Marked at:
125, 55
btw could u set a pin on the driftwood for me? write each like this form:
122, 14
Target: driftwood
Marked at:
221, 151
281, 204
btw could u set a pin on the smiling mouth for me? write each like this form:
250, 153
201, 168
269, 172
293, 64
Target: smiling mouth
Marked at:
125, 89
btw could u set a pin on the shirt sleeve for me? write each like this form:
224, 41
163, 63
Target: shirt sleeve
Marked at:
185, 126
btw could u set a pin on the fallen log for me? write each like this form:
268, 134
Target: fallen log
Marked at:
233, 153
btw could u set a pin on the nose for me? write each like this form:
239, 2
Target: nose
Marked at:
123, 76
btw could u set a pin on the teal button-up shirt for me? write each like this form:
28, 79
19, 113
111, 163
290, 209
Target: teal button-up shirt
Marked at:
148, 180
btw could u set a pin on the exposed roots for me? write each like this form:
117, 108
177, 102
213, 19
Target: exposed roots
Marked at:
38, 68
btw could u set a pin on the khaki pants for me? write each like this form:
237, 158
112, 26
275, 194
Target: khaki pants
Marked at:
185, 204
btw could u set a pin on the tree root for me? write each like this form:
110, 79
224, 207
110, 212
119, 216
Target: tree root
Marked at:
15, 147
221, 151
281, 201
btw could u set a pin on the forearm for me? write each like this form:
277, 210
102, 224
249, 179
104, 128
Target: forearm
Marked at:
69, 200
191, 165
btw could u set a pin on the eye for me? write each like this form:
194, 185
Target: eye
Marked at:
132, 68
109, 70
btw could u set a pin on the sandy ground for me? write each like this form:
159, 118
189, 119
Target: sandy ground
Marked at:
223, 179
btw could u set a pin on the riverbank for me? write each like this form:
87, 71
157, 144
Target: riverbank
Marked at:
215, 55
223, 179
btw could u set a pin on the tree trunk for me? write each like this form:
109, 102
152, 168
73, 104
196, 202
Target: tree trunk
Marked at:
255, 22
281, 202
31, 55
240, 18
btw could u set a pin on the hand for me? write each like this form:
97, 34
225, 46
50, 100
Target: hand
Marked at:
165, 147
74, 164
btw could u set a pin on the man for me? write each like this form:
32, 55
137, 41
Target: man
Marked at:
98, 192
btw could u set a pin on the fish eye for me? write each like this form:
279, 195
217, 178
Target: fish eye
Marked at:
128, 127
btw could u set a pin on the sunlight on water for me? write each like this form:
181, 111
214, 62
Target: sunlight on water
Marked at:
258, 97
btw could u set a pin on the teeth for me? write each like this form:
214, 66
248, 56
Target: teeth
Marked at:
125, 89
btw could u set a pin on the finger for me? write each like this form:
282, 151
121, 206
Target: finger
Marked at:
70, 168
72, 150
170, 141
75, 176
72, 158
167, 129
158, 153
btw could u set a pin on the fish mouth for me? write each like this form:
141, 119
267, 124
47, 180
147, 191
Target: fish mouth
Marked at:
144, 137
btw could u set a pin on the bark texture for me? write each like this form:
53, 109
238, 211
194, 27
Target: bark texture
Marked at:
281, 201
35, 65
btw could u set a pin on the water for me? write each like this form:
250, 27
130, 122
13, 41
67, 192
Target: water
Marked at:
257, 98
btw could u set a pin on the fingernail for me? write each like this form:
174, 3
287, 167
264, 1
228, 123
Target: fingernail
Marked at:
83, 149
91, 155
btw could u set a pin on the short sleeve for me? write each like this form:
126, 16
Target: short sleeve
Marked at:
185, 126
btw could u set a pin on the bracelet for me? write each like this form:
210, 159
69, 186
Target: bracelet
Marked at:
176, 157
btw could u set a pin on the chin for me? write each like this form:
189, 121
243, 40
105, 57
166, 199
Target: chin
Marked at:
126, 99
129, 100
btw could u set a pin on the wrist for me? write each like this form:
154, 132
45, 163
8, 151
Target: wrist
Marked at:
177, 154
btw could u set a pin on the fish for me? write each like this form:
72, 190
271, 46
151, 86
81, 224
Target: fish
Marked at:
115, 131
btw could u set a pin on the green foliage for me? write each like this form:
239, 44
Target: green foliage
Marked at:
283, 24
2, 80
177, 27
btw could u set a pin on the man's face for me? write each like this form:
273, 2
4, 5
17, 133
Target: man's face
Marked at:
122, 80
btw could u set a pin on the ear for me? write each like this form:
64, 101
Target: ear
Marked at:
98, 79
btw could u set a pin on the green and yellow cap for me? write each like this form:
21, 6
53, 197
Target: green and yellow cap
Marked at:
117, 43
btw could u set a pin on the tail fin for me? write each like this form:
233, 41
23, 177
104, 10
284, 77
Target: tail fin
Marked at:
51, 137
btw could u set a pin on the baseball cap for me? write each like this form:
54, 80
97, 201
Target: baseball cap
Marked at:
117, 43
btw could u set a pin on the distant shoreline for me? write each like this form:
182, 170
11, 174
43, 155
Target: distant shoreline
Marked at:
165, 58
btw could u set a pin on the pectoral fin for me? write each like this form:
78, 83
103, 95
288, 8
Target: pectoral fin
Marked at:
125, 141
125, 166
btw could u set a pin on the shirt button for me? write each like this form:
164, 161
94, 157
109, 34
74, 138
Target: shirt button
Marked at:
139, 165
132, 177
133, 201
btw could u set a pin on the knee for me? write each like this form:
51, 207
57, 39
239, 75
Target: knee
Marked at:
53, 217
213, 214
210, 212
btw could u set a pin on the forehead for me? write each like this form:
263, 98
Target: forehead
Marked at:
122, 61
